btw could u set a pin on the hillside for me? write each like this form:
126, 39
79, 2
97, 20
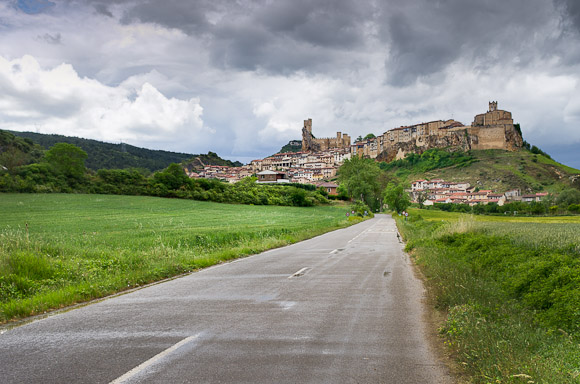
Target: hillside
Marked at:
292, 146
496, 169
103, 155
16, 151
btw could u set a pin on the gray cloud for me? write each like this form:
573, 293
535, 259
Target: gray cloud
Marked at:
422, 38
571, 12
51, 39
276, 37
103, 9
427, 36
187, 16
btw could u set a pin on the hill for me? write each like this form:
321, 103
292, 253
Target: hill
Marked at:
103, 155
494, 169
16, 151
292, 146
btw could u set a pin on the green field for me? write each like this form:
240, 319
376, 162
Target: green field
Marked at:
57, 250
510, 287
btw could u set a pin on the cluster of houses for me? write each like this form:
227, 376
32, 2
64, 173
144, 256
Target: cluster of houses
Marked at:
303, 167
291, 167
440, 191
221, 172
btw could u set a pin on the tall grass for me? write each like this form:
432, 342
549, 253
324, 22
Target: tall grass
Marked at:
57, 250
511, 291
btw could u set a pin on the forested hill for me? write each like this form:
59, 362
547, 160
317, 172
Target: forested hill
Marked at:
103, 155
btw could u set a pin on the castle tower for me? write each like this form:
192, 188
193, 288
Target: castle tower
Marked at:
492, 106
308, 125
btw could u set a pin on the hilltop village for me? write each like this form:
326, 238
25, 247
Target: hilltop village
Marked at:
320, 158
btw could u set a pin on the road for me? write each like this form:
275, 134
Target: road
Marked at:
344, 307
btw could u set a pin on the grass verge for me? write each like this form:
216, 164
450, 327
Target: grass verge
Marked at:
59, 250
511, 292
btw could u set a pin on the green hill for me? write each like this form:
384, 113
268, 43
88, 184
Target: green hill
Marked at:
103, 155
292, 146
16, 151
495, 169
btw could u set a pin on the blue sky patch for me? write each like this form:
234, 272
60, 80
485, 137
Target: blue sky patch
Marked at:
33, 7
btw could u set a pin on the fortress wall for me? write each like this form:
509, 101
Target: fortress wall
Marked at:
489, 137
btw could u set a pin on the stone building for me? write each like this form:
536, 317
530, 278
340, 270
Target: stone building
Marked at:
311, 144
491, 130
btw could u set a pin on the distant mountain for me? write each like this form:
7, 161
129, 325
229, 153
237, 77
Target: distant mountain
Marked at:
103, 155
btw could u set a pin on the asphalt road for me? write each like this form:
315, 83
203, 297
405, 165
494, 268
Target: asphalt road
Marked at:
344, 307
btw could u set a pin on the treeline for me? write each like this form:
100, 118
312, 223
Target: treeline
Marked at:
102, 155
62, 170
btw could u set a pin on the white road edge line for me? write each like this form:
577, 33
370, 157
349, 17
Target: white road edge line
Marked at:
299, 273
153, 360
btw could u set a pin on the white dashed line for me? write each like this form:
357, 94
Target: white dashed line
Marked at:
140, 368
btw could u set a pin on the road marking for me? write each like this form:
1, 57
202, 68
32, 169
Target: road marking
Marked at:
140, 368
299, 273
333, 252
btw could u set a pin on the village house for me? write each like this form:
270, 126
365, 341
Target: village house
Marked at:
271, 177
536, 197
329, 187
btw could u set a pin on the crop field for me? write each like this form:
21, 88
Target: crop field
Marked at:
535, 231
510, 287
57, 250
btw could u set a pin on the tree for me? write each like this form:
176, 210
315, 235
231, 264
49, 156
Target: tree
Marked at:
568, 196
358, 139
396, 197
421, 197
369, 136
174, 177
361, 179
67, 159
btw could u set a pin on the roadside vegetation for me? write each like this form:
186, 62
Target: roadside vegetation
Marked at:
61, 249
510, 289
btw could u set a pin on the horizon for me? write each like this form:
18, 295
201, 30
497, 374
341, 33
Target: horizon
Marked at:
217, 153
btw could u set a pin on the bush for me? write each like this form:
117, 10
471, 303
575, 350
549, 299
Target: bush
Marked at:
361, 209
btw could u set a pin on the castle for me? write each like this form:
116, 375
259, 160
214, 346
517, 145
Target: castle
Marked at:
491, 130
311, 144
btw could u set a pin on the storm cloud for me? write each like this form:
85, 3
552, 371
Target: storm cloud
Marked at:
252, 70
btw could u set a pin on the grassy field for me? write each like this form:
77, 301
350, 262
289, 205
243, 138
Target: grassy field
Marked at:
57, 250
510, 288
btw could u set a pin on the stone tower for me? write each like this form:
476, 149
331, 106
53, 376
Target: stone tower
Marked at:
308, 125
492, 106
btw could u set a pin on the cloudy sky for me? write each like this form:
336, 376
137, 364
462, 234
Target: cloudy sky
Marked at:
239, 77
